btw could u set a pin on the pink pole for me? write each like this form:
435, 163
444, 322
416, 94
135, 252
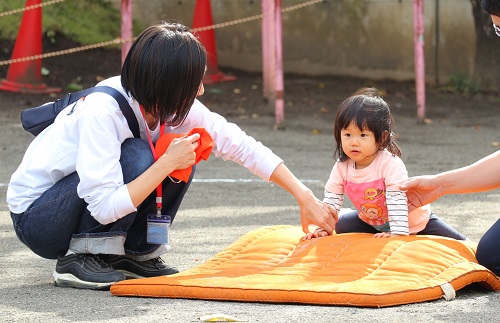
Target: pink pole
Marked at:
418, 25
126, 27
268, 57
278, 77
265, 48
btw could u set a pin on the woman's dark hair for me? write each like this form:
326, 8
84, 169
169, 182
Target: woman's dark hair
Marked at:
163, 71
491, 6
367, 110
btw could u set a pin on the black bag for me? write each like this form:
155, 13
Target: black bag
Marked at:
35, 120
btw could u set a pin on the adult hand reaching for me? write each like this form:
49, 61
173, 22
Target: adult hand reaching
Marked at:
312, 210
422, 190
318, 213
481, 176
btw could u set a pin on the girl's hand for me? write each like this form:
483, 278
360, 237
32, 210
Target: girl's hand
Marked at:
383, 235
181, 152
318, 233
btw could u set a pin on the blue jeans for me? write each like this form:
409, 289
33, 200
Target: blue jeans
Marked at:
59, 219
488, 249
350, 222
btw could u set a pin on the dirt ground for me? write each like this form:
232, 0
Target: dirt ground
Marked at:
459, 130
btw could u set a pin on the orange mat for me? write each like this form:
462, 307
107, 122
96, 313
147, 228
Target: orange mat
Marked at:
272, 264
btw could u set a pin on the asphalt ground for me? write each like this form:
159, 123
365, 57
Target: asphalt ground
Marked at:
226, 201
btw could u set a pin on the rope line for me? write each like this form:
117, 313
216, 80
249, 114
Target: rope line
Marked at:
34, 6
119, 40
256, 17
65, 51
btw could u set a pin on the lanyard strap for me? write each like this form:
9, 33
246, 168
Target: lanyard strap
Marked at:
159, 189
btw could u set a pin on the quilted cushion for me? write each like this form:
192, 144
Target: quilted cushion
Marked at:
273, 264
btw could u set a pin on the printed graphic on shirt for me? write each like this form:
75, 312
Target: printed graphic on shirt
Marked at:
371, 193
372, 213
370, 201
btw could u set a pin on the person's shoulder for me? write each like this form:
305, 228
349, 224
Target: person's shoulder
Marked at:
198, 105
342, 166
114, 81
198, 109
345, 163
385, 157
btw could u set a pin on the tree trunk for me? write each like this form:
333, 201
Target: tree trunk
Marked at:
487, 62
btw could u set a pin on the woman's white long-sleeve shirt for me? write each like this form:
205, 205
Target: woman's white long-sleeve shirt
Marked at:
86, 137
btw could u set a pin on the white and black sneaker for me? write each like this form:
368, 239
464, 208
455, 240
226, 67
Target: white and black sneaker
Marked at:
85, 271
139, 269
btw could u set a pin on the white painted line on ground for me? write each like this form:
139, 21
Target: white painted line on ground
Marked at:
243, 180
229, 180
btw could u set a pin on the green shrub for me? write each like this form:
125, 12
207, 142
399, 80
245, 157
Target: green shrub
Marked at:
460, 82
84, 21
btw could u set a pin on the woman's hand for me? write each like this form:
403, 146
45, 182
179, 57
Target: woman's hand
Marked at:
421, 191
313, 211
181, 152
179, 155
383, 235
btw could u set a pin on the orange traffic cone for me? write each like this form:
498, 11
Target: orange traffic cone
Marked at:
203, 18
26, 77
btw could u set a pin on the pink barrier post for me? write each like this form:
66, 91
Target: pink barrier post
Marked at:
126, 27
278, 77
268, 58
418, 25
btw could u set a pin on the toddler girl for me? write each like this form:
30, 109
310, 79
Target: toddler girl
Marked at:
369, 170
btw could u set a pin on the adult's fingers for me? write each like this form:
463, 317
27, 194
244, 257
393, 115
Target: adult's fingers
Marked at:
332, 212
410, 183
193, 140
329, 226
194, 137
331, 219
305, 227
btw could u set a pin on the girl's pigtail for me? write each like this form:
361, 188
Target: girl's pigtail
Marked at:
392, 146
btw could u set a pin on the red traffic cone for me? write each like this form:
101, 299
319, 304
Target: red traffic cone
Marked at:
26, 77
203, 18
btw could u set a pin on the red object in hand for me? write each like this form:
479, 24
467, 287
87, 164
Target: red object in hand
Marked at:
205, 145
